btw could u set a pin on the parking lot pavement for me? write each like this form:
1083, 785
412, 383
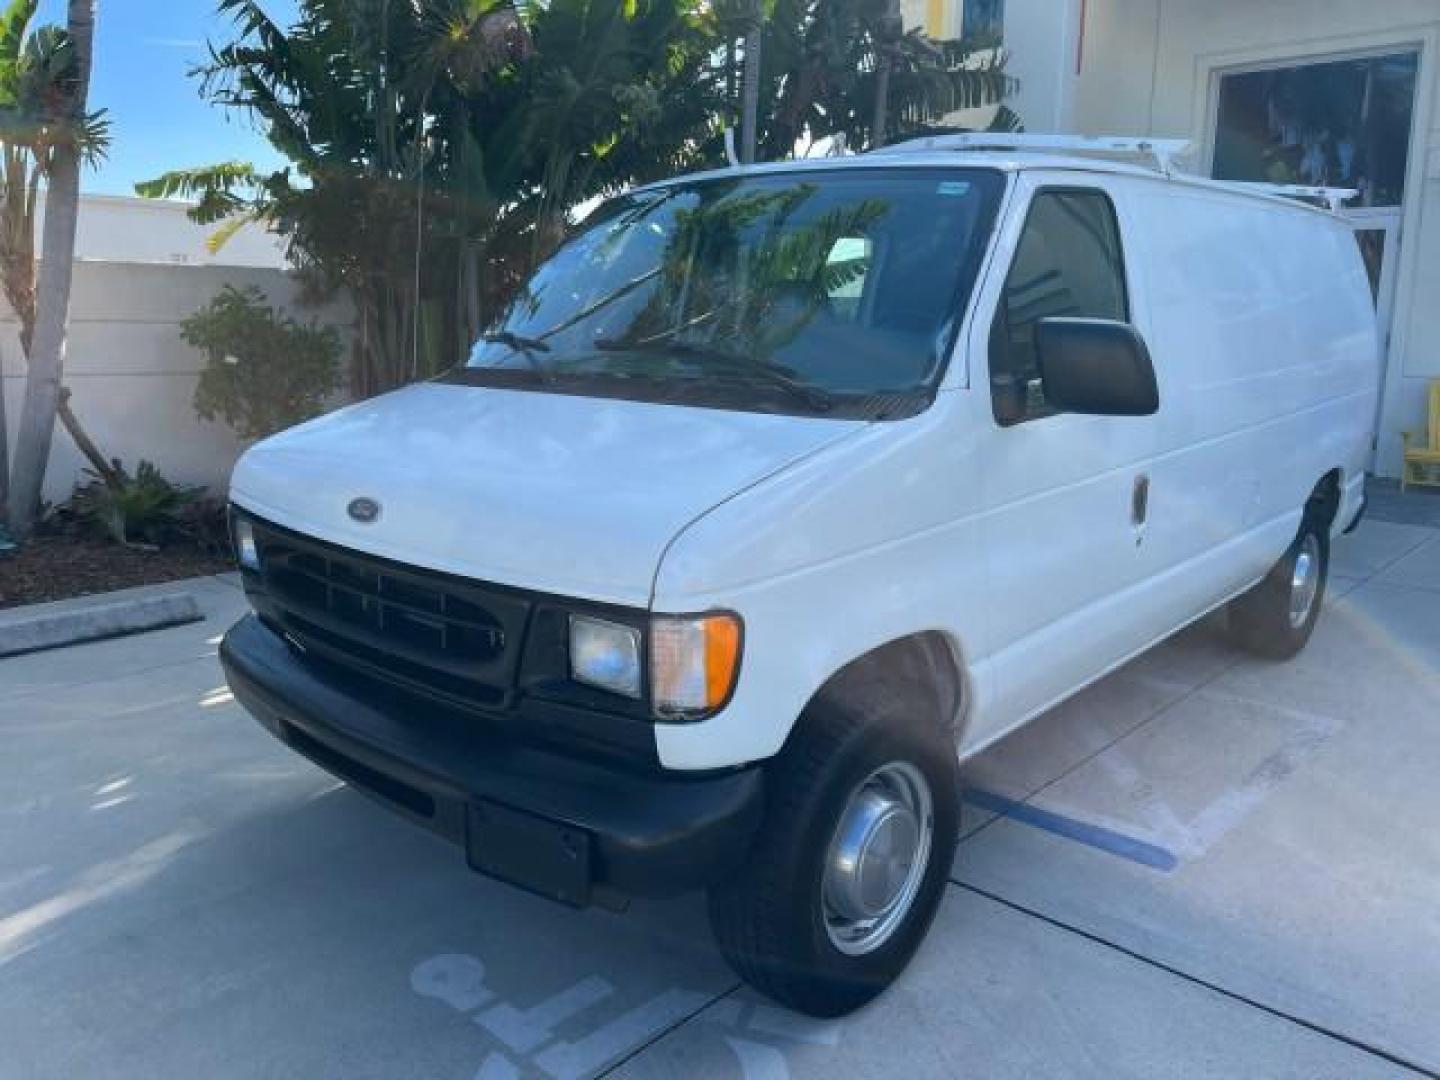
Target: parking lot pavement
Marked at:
1296, 801
998, 993
1201, 866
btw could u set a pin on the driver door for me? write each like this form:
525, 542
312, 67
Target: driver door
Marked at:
1065, 497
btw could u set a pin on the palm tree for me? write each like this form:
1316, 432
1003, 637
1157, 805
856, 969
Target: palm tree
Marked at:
438, 145
617, 92
886, 31
848, 68
17, 210
755, 15
45, 132
348, 95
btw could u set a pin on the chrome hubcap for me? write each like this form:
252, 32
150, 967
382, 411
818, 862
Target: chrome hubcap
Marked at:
1304, 582
877, 858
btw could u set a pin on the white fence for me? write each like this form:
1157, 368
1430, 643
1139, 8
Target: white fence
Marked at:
132, 377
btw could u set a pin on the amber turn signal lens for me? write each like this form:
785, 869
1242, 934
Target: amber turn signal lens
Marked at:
693, 662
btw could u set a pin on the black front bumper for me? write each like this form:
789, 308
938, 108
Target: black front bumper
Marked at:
557, 825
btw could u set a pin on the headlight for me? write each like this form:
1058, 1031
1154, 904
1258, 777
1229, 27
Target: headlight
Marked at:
693, 662
247, 552
605, 655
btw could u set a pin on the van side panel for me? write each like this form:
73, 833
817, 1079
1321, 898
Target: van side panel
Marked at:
1258, 316
1261, 317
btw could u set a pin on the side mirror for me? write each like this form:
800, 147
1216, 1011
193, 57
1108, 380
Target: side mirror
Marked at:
1096, 367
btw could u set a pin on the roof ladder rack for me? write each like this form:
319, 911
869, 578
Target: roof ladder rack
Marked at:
1333, 197
1160, 151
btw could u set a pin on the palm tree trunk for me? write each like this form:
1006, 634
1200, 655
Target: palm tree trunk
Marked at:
4, 452
882, 98
729, 78
17, 270
470, 292
750, 88
885, 35
550, 212
57, 271
106, 470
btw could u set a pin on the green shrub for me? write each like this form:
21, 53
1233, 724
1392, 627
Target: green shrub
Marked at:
206, 523
264, 371
144, 509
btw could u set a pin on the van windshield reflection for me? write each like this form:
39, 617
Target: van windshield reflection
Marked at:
816, 292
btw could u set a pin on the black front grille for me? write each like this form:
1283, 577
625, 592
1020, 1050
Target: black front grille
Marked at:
440, 634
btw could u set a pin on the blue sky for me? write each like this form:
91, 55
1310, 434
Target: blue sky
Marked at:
143, 50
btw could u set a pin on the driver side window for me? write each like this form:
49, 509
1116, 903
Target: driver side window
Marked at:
1068, 263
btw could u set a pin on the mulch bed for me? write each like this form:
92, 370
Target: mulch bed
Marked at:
61, 567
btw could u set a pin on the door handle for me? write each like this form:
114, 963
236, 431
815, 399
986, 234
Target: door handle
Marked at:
1140, 500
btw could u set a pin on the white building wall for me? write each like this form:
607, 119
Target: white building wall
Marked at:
142, 269
1150, 67
1042, 43
118, 229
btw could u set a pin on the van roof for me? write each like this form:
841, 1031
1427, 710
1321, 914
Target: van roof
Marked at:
1010, 161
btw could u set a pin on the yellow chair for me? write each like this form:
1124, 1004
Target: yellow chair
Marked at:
1422, 459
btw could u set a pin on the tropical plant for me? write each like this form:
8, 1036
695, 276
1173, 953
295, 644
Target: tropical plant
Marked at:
141, 510
438, 148
205, 522
46, 134
847, 68
436, 145
747, 18
264, 370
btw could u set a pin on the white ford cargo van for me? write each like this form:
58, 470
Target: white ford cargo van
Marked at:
780, 490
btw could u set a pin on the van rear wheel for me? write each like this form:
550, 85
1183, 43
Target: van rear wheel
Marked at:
1276, 618
851, 862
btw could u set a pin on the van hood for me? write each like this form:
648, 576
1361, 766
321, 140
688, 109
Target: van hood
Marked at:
576, 496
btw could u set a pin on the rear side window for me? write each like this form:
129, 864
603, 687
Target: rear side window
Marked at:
1069, 262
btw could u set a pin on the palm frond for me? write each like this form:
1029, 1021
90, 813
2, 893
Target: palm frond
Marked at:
220, 191
14, 22
223, 235
1006, 120
92, 135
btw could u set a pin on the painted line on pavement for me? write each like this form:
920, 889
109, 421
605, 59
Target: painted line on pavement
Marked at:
1082, 832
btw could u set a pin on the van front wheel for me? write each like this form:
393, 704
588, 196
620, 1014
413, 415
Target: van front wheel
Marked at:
1276, 617
850, 865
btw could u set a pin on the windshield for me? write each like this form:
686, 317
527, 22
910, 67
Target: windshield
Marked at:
825, 293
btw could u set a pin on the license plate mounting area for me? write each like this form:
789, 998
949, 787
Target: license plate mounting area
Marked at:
544, 856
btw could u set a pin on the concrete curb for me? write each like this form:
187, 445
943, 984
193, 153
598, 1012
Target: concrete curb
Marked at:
37, 632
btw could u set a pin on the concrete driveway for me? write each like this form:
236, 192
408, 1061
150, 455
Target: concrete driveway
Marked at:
1205, 865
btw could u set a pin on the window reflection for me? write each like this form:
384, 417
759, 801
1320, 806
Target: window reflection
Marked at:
845, 283
1341, 123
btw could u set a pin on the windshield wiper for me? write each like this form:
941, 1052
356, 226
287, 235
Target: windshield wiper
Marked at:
707, 356
529, 346
526, 347
518, 342
595, 305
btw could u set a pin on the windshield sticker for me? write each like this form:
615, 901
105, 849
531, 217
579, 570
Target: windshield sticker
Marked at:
953, 187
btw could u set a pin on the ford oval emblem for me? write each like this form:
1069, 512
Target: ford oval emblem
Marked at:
364, 511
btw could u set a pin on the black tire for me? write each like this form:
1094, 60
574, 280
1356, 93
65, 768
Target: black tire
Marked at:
770, 918
1261, 620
